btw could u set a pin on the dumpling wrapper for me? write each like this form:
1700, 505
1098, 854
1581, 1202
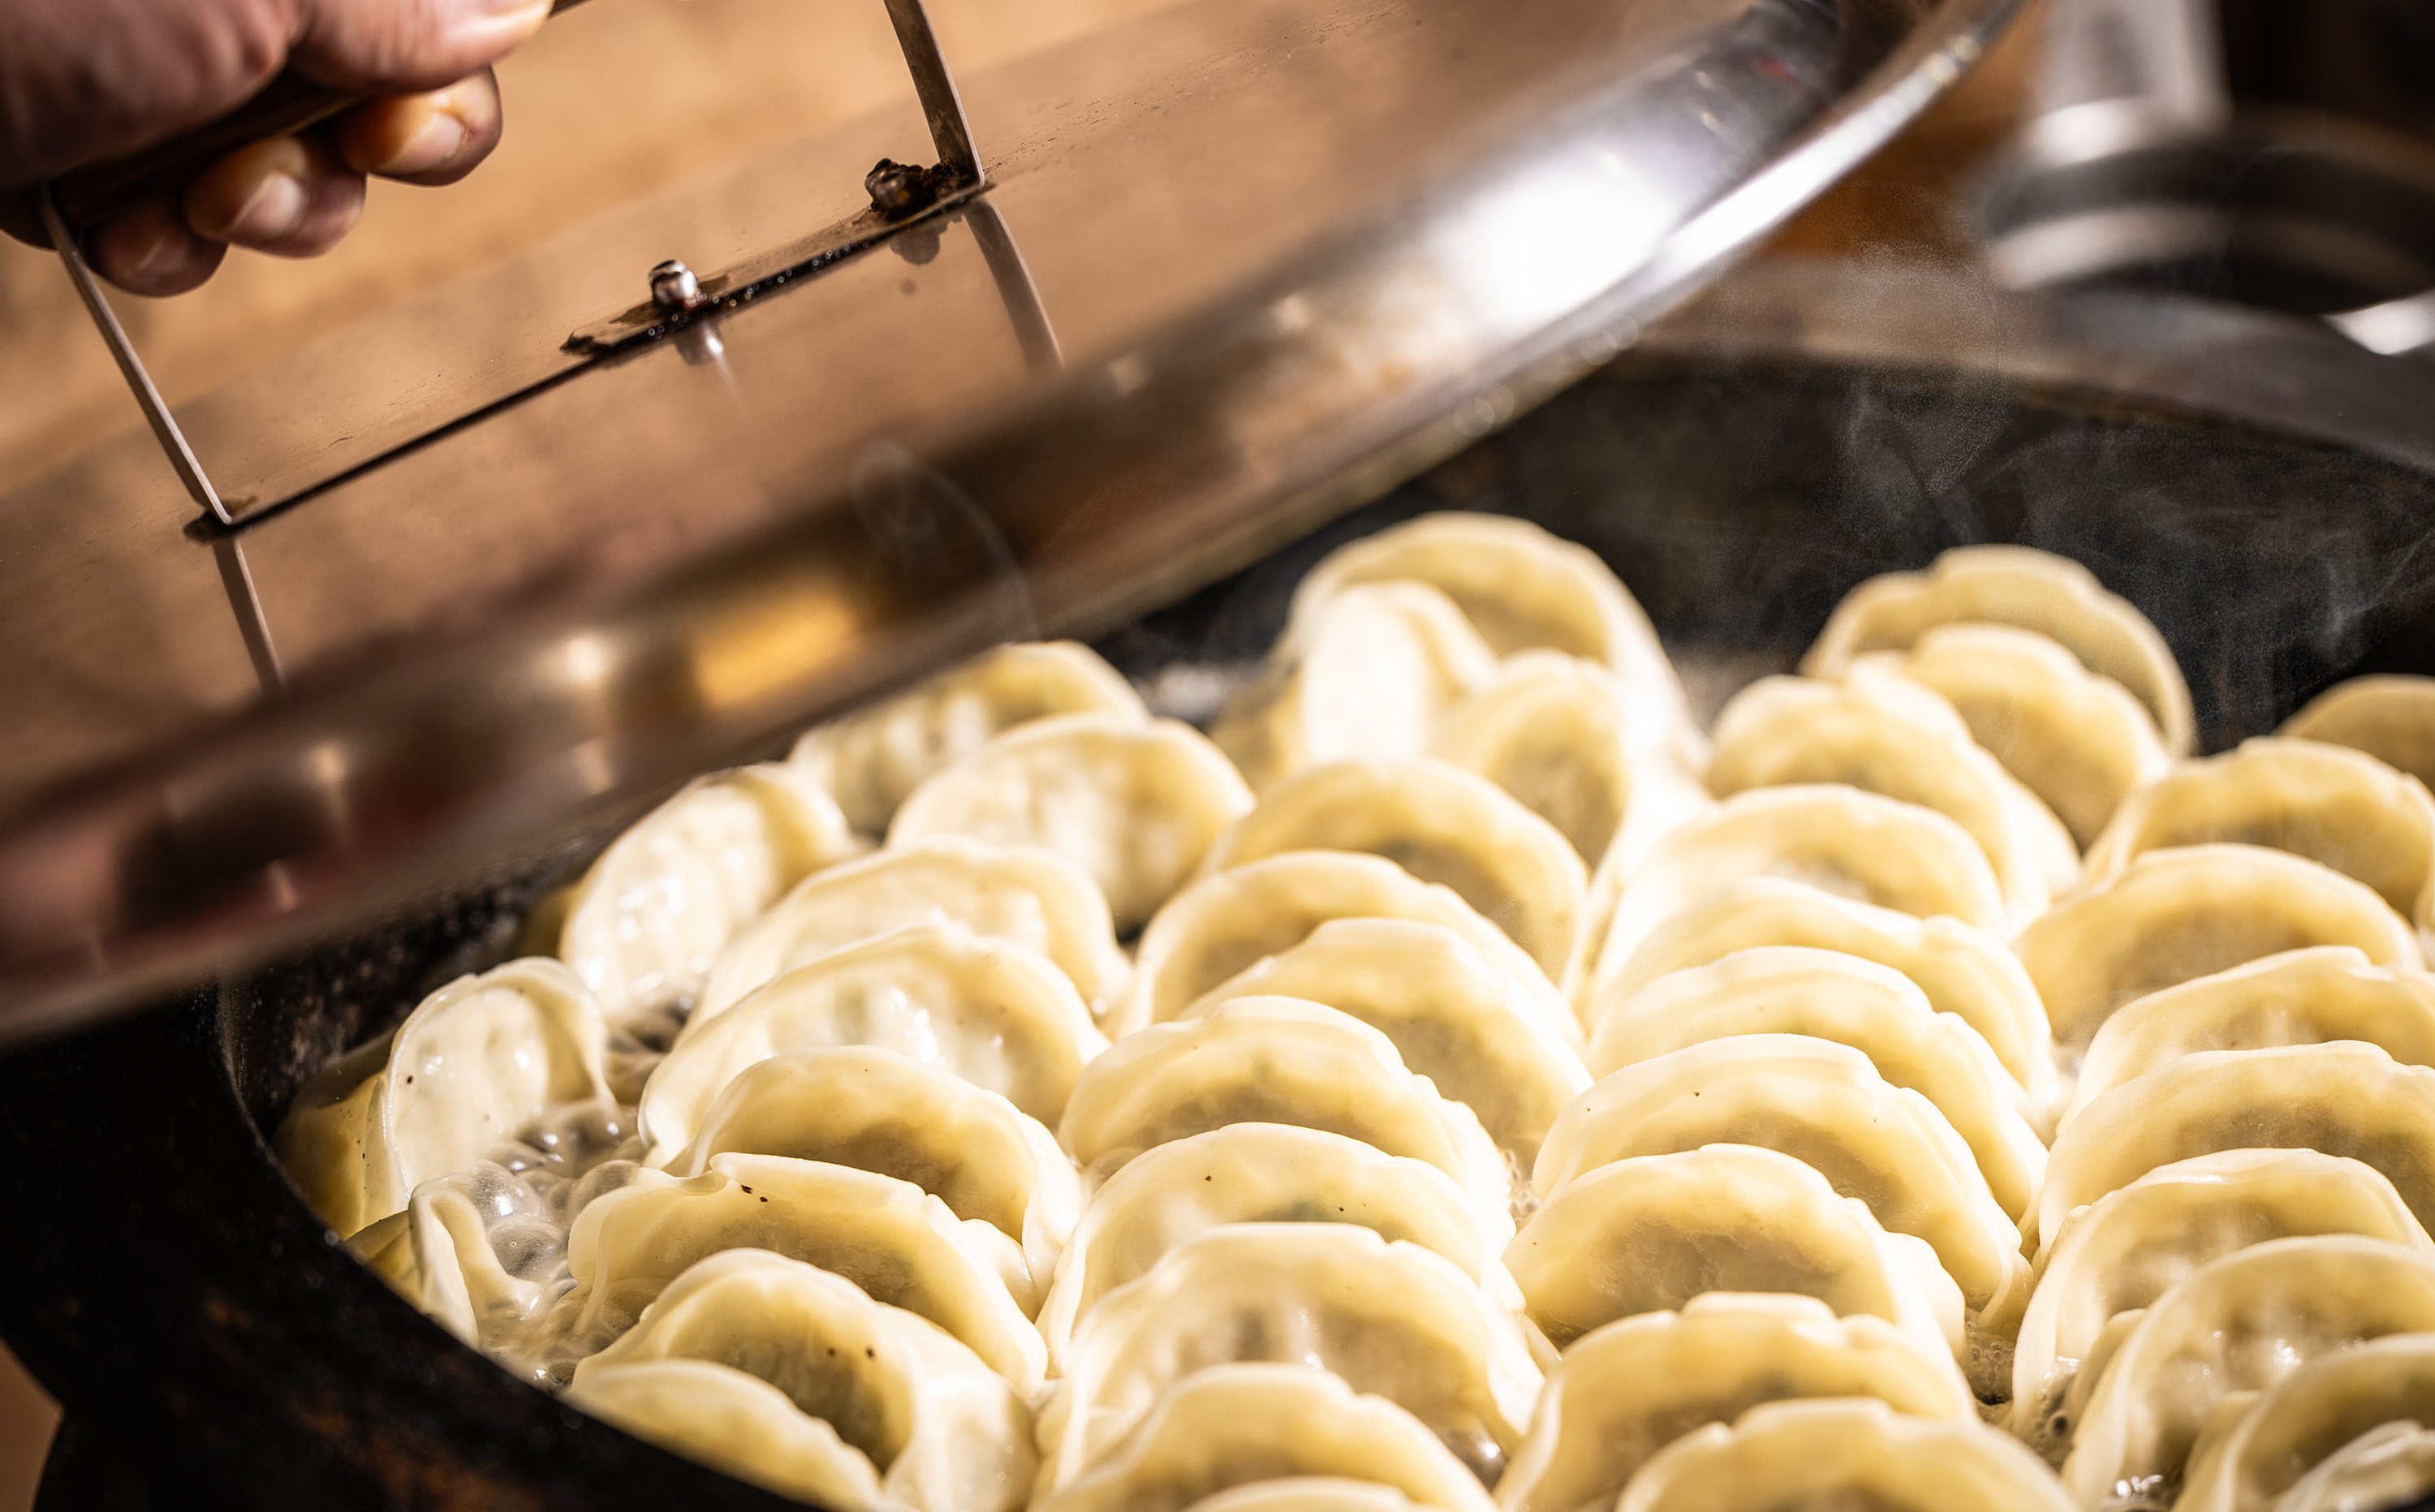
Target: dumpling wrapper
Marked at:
651, 915
2029, 589
1964, 971
1649, 1233
738, 1425
1823, 1103
1274, 1061
1862, 845
1032, 897
1629, 1389
2388, 1467
2236, 1325
1845, 1452
891, 1238
2300, 997
2076, 738
2343, 1099
1308, 1493
1372, 675
1501, 1050
1557, 734
1437, 822
881, 1111
2127, 1248
1232, 919
1523, 588
2334, 805
1134, 806
1884, 735
1267, 1172
2390, 717
994, 1013
1234, 1425
473, 1065
2323, 1413
1875, 1009
444, 1255
1385, 1317
2189, 912
870, 758
943, 1432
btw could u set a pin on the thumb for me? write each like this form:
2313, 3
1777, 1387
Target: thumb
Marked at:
401, 47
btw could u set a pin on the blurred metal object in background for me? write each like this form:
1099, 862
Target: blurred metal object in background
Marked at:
2269, 154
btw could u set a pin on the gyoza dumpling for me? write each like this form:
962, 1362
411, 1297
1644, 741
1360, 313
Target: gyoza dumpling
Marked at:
2390, 717
1822, 1104
2314, 1414
1523, 588
449, 1254
1134, 806
881, 1111
2236, 1325
1556, 733
2018, 586
1225, 922
2189, 912
2326, 803
1649, 1233
1875, 1009
1390, 1318
1309, 1493
1243, 1424
1964, 971
471, 1066
996, 1014
1439, 823
1626, 1391
1886, 735
926, 1424
2122, 1252
1267, 1172
889, 1237
2077, 739
870, 760
1843, 1453
1506, 1052
2300, 997
1019, 893
1371, 675
737, 1424
2343, 1099
655, 911
1857, 845
1274, 1061
2387, 1469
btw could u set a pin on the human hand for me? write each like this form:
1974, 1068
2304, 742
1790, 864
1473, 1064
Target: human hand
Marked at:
83, 80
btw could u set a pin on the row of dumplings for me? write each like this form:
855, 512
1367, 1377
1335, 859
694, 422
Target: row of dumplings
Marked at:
1506, 1089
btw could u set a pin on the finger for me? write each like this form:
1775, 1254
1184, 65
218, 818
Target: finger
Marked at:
150, 249
20, 219
398, 46
291, 198
427, 139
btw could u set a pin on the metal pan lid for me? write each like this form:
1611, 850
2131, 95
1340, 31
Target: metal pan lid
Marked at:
1236, 264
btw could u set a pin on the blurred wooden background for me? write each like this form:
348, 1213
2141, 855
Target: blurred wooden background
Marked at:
616, 101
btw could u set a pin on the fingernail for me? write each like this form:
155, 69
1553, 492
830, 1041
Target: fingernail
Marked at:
435, 143
274, 211
165, 250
